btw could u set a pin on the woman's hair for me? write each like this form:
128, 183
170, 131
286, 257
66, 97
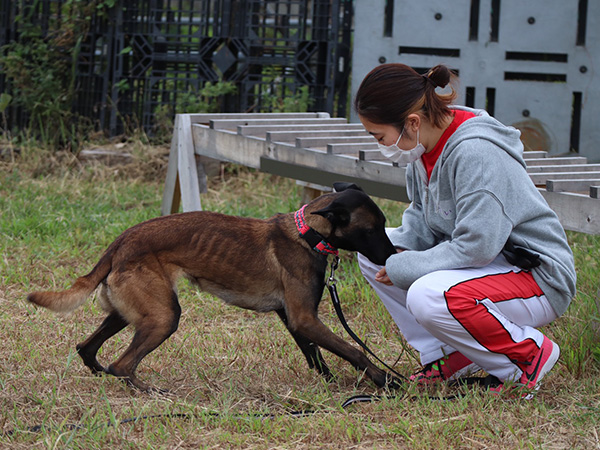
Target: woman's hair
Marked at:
390, 92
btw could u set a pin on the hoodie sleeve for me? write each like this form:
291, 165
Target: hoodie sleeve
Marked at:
481, 228
414, 234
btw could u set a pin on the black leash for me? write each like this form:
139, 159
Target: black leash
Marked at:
185, 416
331, 281
488, 381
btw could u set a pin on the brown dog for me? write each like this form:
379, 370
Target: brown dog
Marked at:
277, 264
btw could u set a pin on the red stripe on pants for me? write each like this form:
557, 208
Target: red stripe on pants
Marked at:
464, 303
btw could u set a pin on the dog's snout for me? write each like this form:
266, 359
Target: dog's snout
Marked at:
380, 250
381, 258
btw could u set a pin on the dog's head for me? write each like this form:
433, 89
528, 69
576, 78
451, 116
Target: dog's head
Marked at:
357, 223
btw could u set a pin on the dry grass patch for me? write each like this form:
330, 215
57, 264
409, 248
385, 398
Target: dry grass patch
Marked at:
236, 375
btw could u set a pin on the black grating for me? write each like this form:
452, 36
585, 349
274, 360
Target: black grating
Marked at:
144, 54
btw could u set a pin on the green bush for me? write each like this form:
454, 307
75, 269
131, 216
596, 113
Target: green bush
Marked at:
205, 100
41, 68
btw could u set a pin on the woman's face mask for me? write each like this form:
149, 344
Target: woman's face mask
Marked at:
397, 155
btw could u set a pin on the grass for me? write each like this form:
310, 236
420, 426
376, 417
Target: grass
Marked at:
236, 375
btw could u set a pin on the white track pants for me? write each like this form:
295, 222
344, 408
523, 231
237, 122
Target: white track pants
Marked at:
488, 314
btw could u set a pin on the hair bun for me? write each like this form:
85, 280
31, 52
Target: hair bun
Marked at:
429, 80
439, 75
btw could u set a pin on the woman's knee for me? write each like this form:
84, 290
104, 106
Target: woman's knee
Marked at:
424, 301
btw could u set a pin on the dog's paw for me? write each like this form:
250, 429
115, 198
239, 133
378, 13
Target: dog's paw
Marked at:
159, 392
394, 383
90, 360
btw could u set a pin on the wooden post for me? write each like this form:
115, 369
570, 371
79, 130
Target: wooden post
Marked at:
182, 173
311, 191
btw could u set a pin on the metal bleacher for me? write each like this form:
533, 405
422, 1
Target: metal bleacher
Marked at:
317, 149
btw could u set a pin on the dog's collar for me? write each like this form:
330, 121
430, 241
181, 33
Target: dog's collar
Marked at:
314, 239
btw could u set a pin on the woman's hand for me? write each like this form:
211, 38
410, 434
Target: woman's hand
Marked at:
382, 276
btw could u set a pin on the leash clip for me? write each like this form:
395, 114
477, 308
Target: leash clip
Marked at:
334, 265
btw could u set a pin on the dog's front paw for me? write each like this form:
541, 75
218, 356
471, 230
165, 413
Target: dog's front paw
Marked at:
394, 383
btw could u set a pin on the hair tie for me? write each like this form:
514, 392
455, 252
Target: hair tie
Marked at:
426, 77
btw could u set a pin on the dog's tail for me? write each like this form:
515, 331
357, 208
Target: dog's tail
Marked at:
70, 299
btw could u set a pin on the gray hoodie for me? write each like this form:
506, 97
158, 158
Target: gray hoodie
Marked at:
480, 196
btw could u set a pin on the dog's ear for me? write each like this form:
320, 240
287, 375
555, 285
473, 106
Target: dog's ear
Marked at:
340, 186
338, 215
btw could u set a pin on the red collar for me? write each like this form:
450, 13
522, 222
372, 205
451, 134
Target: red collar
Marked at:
314, 239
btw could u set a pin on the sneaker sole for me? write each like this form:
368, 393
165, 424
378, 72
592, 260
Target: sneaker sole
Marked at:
465, 371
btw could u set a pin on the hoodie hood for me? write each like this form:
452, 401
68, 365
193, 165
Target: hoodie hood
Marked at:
483, 126
479, 131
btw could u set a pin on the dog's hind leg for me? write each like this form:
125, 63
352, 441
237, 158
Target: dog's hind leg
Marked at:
309, 349
155, 320
89, 348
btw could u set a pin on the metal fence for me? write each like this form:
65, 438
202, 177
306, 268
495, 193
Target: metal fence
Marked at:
144, 54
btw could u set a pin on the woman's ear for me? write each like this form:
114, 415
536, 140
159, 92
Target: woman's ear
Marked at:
413, 122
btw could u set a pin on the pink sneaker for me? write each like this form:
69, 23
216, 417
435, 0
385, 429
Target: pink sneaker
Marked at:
542, 363
449, 367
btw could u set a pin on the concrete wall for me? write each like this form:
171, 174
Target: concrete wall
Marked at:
534, 65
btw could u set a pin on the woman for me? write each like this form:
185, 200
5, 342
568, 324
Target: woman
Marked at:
482, 260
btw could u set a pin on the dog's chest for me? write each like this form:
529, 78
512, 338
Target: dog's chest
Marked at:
262, 301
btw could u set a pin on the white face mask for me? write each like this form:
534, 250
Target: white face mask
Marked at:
397, 155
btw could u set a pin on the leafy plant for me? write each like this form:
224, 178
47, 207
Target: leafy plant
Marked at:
41, 68
279, 97
296, 102
208, 99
